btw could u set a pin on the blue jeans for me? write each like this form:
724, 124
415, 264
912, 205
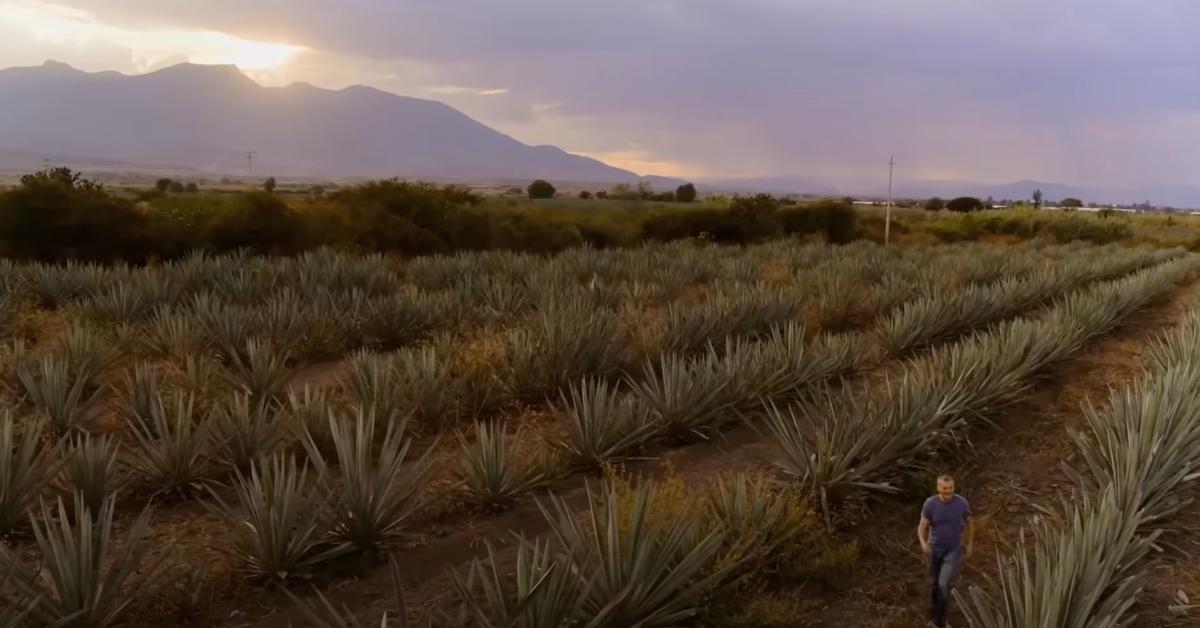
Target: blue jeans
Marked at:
943, 568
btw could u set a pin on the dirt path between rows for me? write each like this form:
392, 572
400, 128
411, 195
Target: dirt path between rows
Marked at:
1007, 470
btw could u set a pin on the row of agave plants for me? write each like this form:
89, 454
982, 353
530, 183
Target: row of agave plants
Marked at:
847, 443
655, 554
1139, 461
178, 428
288, 521
189, 425
682, 397
527, 361
613, 568
920, 322
326, 303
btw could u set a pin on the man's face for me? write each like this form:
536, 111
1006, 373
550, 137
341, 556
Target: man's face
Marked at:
945, 489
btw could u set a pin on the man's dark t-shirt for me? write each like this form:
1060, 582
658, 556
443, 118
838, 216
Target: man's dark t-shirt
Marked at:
946, 521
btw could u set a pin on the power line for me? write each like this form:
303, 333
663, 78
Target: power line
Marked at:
887, 220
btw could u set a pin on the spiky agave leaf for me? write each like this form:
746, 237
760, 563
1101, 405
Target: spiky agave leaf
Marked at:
25, 465
262, 372
1065, 577
282, 520
122, 301
378, 487
398, 319
752, 509
87, 353
688, 397
428, 385
324, 614
640, 570
89, 580
1139, 464
491, 470
539, 591
58, 391
791, 365
372, 386
568, 340
91, 470
140, 390
172, 448
20, 592
311, 410
603, 424
247, 432
170, 332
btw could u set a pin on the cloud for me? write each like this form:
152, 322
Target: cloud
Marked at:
59, 26
1087, 91
457, 90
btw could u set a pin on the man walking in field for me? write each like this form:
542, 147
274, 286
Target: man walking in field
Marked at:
944, 518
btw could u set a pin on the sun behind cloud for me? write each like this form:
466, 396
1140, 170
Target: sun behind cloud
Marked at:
60, 26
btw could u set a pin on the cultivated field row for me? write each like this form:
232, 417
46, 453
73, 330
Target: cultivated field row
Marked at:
998, 364
157, 384
1088, 562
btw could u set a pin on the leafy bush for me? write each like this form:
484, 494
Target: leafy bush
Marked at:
258, 221
1062, 227
719, 225
836, 219
540, 188
685, 193
57, 215
964, 204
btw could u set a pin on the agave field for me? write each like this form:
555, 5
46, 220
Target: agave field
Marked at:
304, 421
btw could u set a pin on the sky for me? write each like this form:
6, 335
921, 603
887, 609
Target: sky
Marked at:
1087, 92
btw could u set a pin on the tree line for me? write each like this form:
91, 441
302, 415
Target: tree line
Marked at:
56, 215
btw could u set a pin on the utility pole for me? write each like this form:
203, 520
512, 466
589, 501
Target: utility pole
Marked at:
250, 162
887, 217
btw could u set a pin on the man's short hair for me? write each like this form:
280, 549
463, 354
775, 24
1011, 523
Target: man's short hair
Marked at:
945, 478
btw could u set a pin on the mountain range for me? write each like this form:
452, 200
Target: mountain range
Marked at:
206, 117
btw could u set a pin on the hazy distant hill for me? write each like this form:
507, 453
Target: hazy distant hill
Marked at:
1174, 195
207, 117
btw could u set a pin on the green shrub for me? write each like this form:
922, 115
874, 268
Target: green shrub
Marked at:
259, 221
55, 215
719, 225
685, 193
540, 188
964, 204
837, 220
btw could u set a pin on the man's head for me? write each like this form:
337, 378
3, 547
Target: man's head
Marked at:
945, 487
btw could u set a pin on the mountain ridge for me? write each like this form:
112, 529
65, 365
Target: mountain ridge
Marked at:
206, 117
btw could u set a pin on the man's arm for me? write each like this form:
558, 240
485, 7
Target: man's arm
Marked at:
923, 534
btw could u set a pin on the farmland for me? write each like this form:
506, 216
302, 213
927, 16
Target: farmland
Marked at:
733, 432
